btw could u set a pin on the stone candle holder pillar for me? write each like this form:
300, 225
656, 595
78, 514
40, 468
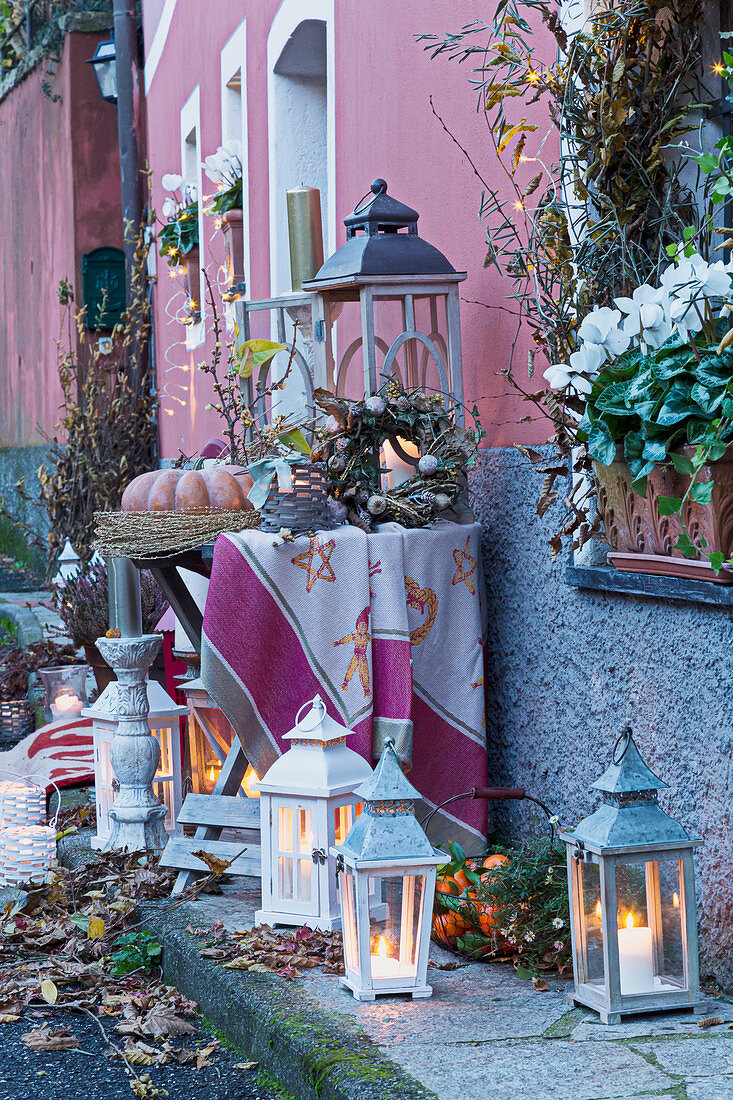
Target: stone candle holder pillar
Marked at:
137, 814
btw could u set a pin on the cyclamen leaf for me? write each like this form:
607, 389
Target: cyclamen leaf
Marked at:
613, 399
655, 450
601, 444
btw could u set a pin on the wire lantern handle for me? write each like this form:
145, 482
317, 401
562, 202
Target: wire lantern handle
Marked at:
493, 794
627, 737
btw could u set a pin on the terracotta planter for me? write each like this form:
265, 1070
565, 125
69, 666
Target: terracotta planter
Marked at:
642, 541
232, 227
192, 266
103, 674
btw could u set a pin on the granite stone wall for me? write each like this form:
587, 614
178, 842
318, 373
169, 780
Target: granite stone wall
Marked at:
569, 667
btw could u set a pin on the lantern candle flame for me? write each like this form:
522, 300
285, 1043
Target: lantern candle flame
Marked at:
676, 900
384, 966
598, 908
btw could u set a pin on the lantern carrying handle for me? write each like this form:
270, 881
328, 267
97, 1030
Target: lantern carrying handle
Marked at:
626, 736
492, 794
48, 779
317, 701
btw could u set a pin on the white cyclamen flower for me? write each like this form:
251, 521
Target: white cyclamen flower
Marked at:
560, 376
645, 315
600, 329
171, 182
169, 208
213, 167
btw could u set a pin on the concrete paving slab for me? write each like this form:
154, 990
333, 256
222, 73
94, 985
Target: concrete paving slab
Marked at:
712, 1088
548, 1070
704, 1055
660, 1023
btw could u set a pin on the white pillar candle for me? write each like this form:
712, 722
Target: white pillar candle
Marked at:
635, 959
398, 470
385, 967
66, 706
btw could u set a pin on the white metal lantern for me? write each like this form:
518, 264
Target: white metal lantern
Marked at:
22, 802
386, 871
168, 782
632, 896
307, 804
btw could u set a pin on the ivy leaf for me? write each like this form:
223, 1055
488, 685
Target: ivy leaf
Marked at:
716, 450
668, 506
708, 162
601, 444
524, 974
682, 464
716, 560
702, 492
686, 545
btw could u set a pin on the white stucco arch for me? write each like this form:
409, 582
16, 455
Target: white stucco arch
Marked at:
301, 125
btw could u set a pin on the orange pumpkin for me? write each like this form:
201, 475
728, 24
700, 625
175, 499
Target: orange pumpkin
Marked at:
189, 490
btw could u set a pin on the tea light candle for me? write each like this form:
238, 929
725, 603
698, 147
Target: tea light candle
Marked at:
66, 705
635, 960
385, 967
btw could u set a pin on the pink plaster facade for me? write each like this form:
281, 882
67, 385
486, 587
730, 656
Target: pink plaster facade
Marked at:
383, 125
59, 198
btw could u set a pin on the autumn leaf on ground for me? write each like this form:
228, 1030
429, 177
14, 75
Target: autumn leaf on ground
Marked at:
44, 1038
8, 1018
540, 985
163, 1021
49, 992
216, 865
141, 1054
246, 1065
95, 931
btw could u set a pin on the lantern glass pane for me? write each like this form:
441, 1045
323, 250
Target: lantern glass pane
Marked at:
305, 834
347, 886
305, 867
396, 904
285, 830
285, 877
649, 897
589, 942
345, 816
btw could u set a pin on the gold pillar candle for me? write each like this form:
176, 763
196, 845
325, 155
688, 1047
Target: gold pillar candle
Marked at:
305, 233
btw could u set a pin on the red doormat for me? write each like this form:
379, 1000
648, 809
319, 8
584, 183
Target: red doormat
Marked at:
60, 751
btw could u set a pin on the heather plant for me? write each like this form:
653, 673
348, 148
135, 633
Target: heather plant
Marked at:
82, 604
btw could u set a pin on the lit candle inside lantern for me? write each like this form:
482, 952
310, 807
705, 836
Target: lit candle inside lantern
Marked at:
676, 900
598, 908
250, 777
398, 470
65, 705
383, 966
636, 967
305, 233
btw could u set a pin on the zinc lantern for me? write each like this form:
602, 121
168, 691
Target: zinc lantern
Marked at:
632, 898
386, 868
307, 804
163, 720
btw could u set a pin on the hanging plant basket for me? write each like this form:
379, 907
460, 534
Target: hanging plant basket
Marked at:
642, 540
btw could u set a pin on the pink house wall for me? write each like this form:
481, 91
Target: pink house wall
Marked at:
384, 126
59, 197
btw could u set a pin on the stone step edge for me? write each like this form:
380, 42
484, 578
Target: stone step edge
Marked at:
313, 1053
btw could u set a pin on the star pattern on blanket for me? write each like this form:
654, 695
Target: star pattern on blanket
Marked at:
322, 572
463, 558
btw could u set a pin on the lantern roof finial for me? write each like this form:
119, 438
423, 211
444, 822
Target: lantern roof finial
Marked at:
627, 772
388, 782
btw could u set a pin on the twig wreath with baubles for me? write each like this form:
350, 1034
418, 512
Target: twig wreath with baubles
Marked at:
351, 440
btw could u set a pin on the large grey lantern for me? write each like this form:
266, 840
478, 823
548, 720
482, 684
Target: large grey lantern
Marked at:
386, 870
632, 898
397, 300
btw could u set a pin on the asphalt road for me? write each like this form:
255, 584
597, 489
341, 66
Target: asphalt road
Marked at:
64, 1075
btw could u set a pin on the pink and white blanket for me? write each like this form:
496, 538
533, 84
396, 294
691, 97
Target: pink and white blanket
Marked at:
388, 628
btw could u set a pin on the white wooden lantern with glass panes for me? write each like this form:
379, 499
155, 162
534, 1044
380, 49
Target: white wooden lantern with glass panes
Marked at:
632, 898
307, 804
386, 869
163, 720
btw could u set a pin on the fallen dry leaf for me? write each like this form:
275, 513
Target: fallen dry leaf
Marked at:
216, 865
49, 992
44, 1038
710, 1021
540, 984
246, 1065
95, 930
8, 1018
140, 1054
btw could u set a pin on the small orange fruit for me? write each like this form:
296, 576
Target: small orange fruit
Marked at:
462, 878
493, 863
